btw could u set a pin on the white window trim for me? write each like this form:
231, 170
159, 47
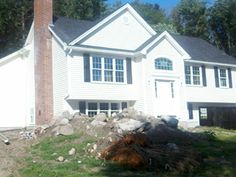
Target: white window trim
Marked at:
164, 70
109, 106
102, 69
227, 78
191, 75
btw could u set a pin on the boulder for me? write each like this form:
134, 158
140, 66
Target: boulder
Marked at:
63, 121
67, 115
129, 124
66, 129
170, 121
100, 117
98, 123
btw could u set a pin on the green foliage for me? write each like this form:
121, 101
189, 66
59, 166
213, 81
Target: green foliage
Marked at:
222, 20
161, 27
15, 20
152, 13
190, 18
82, 9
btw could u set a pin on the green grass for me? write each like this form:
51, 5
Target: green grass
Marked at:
219, 161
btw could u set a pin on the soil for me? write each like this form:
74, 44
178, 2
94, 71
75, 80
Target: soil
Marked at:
12, 155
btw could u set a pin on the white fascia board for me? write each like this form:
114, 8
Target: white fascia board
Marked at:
64, 45
172, 41
104, 51
210, 63
117, 12
30, 35
19, 53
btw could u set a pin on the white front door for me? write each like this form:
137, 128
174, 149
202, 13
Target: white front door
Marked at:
164, 97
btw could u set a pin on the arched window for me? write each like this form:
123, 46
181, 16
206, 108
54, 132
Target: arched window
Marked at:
163, 64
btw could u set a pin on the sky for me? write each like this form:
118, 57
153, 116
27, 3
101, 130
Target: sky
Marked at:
167, 5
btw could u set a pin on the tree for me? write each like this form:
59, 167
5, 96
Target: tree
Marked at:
80, 9
190, 18
152, 13
222, 20
15, 20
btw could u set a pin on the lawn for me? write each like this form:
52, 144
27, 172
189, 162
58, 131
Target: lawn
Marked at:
219, 154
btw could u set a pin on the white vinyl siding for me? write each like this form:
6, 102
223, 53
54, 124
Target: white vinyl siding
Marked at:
60, 77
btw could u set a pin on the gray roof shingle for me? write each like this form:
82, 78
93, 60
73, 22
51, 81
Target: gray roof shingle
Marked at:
69, 29
201, 50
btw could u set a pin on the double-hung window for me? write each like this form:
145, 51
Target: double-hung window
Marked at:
97, 68
223, 81
108, 69
119, 70
192, 75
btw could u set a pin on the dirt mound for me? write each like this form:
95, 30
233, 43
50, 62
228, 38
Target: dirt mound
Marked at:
136, 150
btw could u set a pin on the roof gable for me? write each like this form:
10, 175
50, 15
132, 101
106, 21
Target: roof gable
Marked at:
107, 20
122, 32
171, 40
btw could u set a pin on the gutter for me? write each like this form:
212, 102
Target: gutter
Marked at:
210, 63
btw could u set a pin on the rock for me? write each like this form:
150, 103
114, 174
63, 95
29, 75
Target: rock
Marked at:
60, 159
39, 131
72, 151
77, 115
144, 127
100, 117
172, 147
95, 147
129, 124
170, 121
55, 131
98, 123
114, 114
66, 129
67, 115
63, 121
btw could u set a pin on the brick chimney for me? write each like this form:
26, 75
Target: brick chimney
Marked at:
43, 13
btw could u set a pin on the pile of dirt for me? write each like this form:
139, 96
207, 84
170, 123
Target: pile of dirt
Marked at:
137, 151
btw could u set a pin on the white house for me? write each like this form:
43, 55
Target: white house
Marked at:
110, 64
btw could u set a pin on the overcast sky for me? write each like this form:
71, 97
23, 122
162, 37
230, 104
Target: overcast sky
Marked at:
165, 4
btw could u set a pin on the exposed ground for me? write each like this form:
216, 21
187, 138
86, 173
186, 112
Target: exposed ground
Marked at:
12, 156
37, 157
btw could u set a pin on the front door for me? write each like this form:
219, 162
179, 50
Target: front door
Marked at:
164, 97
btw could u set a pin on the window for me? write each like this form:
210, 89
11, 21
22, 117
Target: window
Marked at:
114, 108
104, 108
82, 107
97, 69
163, 64
107, 69
223, 81
92, 109
196, 75
203, 113
192, 75
124, 105
119, 70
